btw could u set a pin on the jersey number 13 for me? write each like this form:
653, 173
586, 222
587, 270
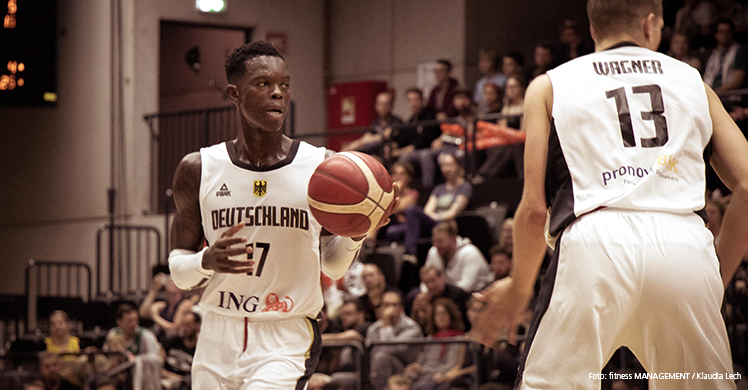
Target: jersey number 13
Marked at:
655, 115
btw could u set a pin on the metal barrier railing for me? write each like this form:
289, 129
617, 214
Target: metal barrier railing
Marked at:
60, 281
131, 253
359, 356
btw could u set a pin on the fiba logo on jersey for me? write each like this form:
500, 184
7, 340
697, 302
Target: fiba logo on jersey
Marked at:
260, 188
224, 191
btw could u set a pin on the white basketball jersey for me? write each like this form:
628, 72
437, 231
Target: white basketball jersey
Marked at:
272, 201
630, 129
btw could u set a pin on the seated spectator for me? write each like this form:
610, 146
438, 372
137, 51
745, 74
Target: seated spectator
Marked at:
376, 285
140, 344
393, 325
488, 66
167, 313
433, 287
501, 261
506, 234
438, 364
726, 67
426, 134
73, 368
49, 368
178, 352
440, 99
493, 98
513, 64
571, 43
446, 201
373, 141
354, 324
680, 51
402, 174
500, 158
462, 262
544, 60
398, 382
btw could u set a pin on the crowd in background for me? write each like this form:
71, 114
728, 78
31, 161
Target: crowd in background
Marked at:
428, 294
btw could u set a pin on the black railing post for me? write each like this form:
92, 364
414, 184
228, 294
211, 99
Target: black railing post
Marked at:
112, 194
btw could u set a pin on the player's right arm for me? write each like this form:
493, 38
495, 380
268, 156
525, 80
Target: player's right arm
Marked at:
730, 161
190, 266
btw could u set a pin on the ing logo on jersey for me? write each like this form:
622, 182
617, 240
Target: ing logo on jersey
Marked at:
272, 303
260, 188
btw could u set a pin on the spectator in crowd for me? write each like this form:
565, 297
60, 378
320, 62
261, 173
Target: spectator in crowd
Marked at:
696, 19
433, 286
440, 99
501, 261
402, 174
425, 134
500, 158
178, 351
543, 59
140, 344
354, 324
438, 364
60, 341
446, 201
715, 210
680, 51
393, 325
166, 313
488, 66
49, 368
106, 385
506, 234
726, 67
398, 382
373, 141
462, 262
376, 285
513, 64
571, 43
493, 98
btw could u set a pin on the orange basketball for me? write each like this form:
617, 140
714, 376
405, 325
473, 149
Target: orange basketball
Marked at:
350, 193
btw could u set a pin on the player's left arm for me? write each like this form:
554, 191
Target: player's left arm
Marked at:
505, 299
338, 252
730, 161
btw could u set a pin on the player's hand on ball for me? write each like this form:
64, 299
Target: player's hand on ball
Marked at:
499, 316
385, 221
218, 256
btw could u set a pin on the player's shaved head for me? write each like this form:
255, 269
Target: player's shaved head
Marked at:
610, 17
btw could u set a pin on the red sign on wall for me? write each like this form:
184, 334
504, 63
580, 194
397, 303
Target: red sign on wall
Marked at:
279, 40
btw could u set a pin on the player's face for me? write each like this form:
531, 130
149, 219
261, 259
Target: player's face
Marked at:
264, 93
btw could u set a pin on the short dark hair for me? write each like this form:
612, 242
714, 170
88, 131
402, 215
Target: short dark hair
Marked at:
611, 16
414, 90
517, 57
356, 302
499, 249
235, 63
545, 44
727, 22
123, 309
446, 63
464, 92
449, 227
406, 166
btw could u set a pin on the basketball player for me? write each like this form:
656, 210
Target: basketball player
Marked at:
248, 199
615, 148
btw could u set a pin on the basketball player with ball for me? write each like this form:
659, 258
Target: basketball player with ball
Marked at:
247, 198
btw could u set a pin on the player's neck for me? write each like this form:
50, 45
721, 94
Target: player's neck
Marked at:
262, 149
607, 43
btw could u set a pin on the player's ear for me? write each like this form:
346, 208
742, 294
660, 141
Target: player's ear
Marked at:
592, 33
232, 91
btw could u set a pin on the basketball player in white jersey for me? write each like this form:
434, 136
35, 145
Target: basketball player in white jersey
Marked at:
615, 154
247, 198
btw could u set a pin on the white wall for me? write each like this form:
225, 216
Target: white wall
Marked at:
386, 40
56, 161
